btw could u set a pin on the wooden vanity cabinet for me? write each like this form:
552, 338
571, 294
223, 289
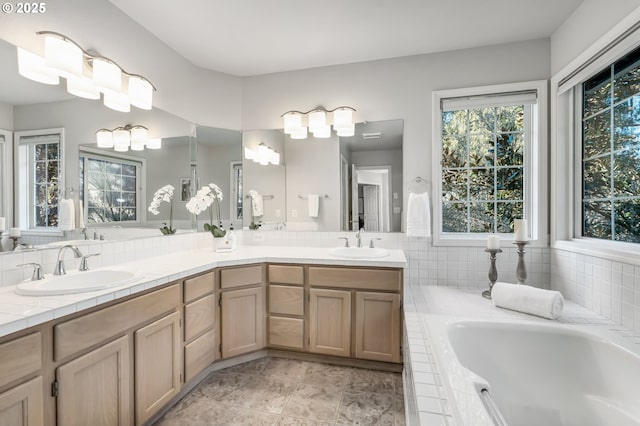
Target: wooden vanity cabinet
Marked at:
355, 312
200, 313
242, 321
20, 360
285, 306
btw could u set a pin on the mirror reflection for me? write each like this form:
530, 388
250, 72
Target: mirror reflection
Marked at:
328, 184
110, 190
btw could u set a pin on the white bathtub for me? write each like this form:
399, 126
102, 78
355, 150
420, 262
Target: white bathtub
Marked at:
536, 374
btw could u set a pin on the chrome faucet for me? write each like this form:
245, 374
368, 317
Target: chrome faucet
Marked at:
59, 269
37, 270
86, 236
359, 237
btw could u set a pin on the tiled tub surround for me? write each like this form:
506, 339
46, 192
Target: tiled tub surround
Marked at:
427, 360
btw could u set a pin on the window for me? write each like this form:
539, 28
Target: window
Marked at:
109, 188
610, 184
39, 181
487, 167
236, 192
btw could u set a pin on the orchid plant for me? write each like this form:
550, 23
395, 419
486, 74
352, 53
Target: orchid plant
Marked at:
204, 199
164, 194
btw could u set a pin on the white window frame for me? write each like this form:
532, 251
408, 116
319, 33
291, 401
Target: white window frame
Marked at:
233, 189
566, 134
535, 167
6, 174
140, 163
20, 203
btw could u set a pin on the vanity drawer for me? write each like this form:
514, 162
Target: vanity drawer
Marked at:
198, 286
238, 277
286, 332
199, 316
283, 274
286, 300
355, 278
199, 354
20, 357
83, 332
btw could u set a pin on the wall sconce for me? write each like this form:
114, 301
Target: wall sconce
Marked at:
87, 74
263, 155
122, 138
318, 122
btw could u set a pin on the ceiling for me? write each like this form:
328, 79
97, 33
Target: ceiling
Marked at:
253, 37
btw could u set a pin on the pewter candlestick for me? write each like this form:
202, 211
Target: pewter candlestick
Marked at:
493, 272
15, 242
521, 270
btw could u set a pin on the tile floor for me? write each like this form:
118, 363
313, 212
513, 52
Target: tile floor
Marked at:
275, 391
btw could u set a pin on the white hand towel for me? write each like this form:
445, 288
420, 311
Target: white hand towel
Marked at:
527, 299
80, 215
418, 215
257, 208
66, 215
314, 204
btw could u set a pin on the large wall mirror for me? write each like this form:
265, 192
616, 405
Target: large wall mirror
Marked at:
56, 157
329, 184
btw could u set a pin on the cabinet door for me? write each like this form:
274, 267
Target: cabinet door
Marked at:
330, 322
158, 365
242, 321
22, 405
378, 326
95, 388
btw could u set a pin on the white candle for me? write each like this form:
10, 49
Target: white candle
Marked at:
14, 232
493, 242
520, 230
3, 224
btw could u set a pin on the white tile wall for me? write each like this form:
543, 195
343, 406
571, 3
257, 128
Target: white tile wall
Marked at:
608, 288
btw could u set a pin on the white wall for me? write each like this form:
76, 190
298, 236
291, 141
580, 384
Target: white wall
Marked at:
587, 24
393, 89
202, 96
6, 116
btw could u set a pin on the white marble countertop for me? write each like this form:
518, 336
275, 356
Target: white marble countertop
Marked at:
20, 312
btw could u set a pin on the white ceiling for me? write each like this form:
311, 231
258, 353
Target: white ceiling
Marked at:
252, 37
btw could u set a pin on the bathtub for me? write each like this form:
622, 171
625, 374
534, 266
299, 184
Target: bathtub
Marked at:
534, 374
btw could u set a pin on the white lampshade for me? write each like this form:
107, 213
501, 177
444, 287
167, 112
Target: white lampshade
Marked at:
139, 135
140, 92
299, 134
32, 67
322, 132
107, 76
346, 131
317, 120
82, 87
63, 57
121, 137
342, 118
137, 146
117, 101
155, 143
249, 154
275, 160
292, 122
104, 138
121, 148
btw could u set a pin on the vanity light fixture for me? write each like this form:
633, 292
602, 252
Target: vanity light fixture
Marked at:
263, 155
319, 121
88, 74
122, 139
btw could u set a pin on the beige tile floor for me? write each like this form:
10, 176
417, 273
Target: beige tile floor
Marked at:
275, 391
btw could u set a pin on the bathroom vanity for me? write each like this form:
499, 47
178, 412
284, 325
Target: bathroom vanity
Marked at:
126, 360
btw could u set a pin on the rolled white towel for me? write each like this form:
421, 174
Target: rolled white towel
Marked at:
314, 204
527, 299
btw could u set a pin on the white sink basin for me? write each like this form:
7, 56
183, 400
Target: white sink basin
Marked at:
359, 252
76, 282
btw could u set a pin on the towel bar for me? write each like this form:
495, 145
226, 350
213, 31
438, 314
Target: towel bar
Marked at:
264, 197
304, 197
